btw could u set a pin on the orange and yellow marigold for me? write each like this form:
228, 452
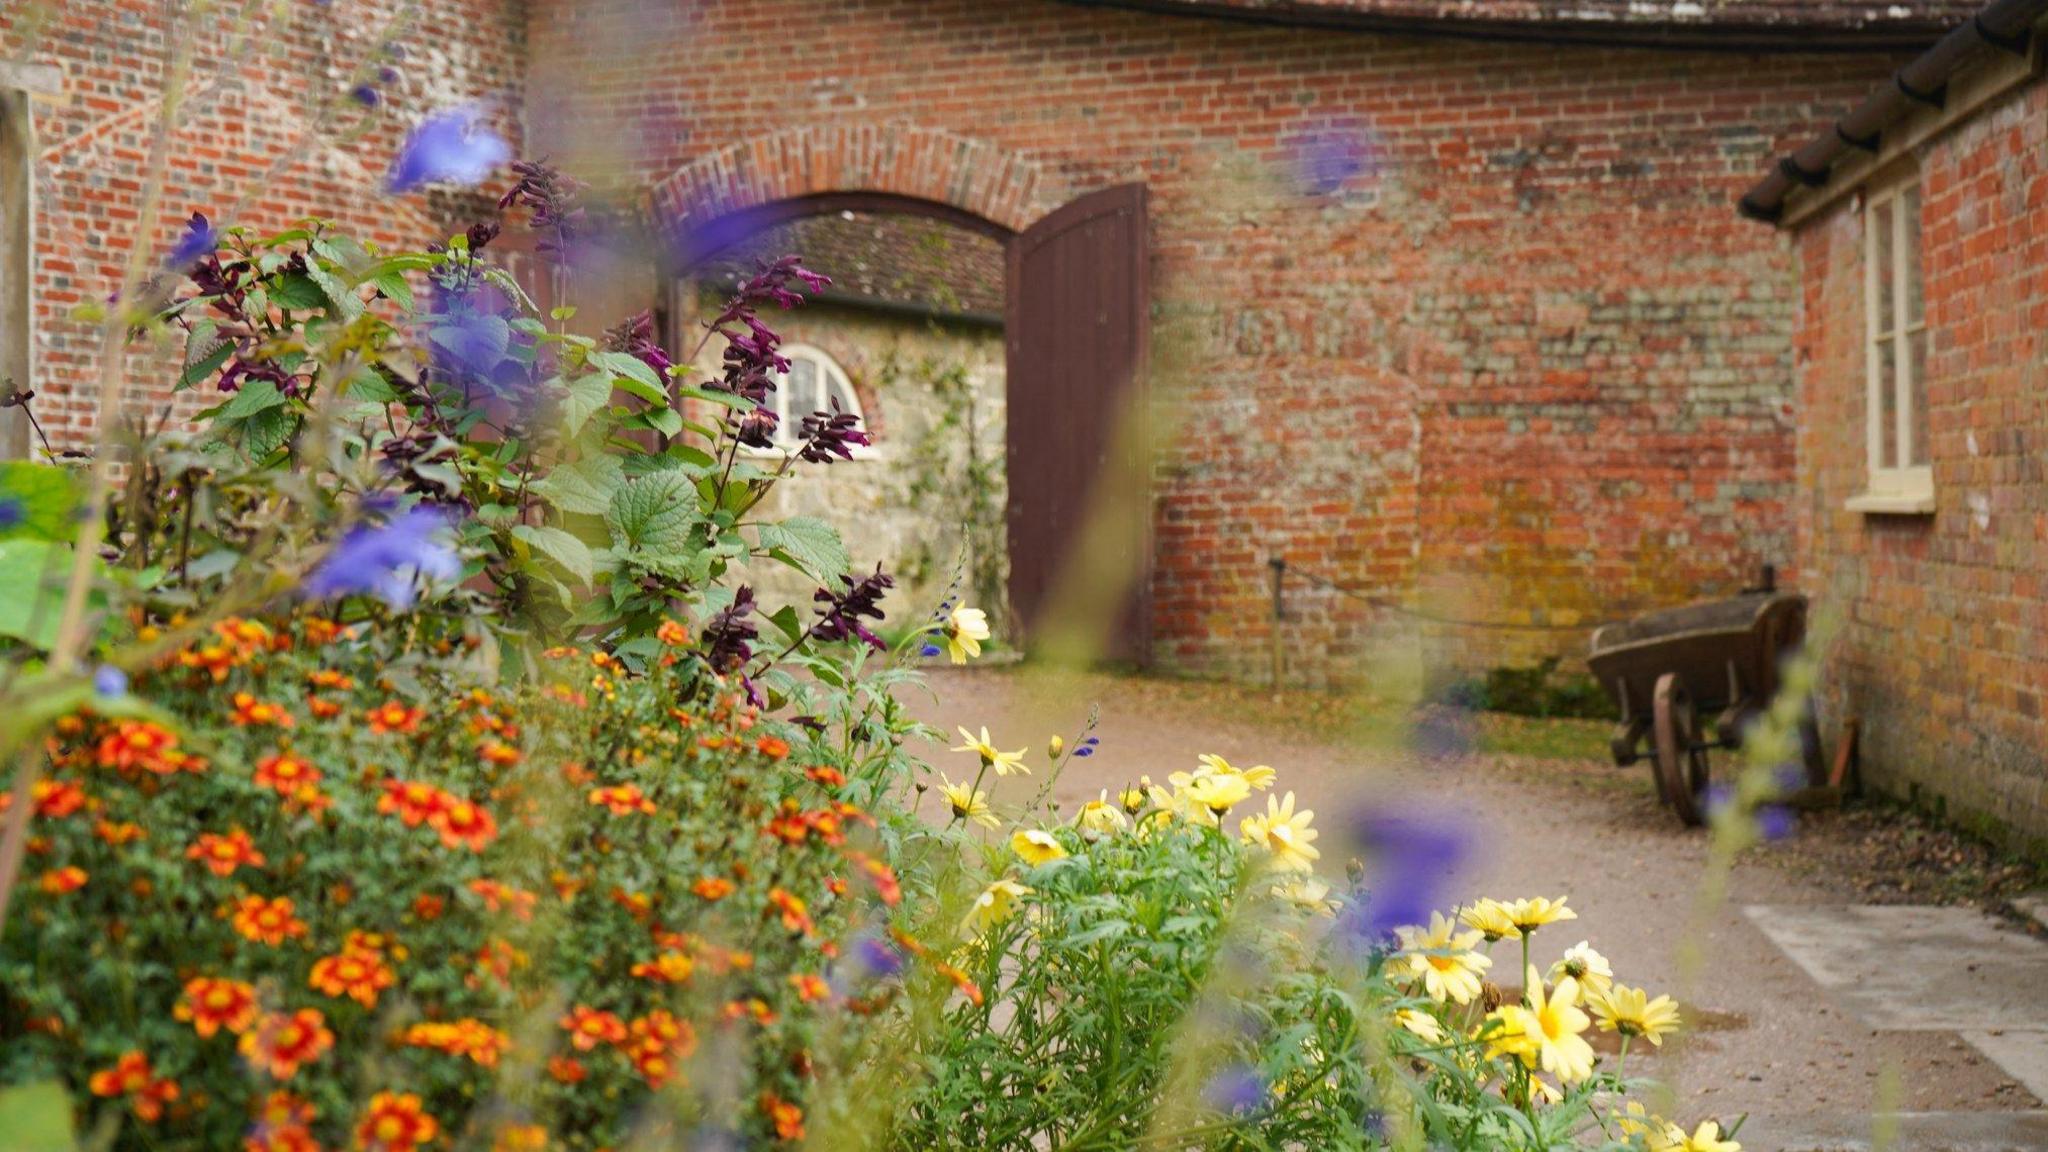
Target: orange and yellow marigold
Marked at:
211, 1004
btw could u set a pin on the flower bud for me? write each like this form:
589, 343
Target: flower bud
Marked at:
1054, 747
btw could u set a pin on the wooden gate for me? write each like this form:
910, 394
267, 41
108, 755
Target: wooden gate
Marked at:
1079, 467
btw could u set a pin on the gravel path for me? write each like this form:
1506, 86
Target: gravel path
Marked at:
1767, 1039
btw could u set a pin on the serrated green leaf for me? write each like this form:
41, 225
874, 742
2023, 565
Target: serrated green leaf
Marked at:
296, 292
585, 486
656, 513
726, 399
45, 499
347, 304
395, 286
807, 544
634, 377
666, 421
561, 546
256, 396
586, 394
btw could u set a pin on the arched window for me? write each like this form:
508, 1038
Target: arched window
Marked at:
813, 383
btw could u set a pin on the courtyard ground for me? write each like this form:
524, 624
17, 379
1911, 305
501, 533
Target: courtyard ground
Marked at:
1810, 1008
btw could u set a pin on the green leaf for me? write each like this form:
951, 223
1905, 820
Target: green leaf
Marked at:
45, 497
37, 1117
33, 574
205, 352
347, 304
807, 544
255, 396
664, 420
296, 292
560, 546
635, 377
394, 285
587, 394
585, 486
728, 399
788, 622
656, 513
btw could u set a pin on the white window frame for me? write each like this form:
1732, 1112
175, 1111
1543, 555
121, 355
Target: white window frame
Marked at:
788, 422
1901, 486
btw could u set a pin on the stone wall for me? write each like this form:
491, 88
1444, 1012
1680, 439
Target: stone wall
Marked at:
1942, 647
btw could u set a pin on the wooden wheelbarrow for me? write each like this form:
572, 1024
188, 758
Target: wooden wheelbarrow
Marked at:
1667, 670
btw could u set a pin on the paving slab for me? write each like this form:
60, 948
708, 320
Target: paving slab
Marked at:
1915, 968
1901, 1132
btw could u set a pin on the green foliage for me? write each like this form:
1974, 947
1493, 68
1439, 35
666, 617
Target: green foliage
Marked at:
1539, 689
953, 477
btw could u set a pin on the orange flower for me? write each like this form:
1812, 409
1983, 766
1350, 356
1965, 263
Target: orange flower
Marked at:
810, 988
666, 968
713, 888
754, 1008
223, 854
329, 678
787, 1118
136, 744
414, 803
497, 959
279, 1044
282, 1124
883, 876
795, 914
520, 1138
59, 881
623, 800
321, 631
789, 826
659, 1042
499, 897
309, 800
588, 1028
673, 634
497, 752
56, 799
773, 747
464, 825
357, 973
321, 707
267, 921
468, 1038
131, 1075
117, 833
391, 716
211, 1005
395, 1122
429, 906
567, 1069
253, 713
825, 776
285, 773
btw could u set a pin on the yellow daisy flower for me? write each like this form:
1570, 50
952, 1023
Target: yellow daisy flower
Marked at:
1420, 1024
968, 803
1099, 817
1306, 893
1036, 846
1529, 914
1003, 762
1132, 799
1705, 1138
997, 903
1490, 918
1216, 793
1631, 1012
1258, 776
1544, 1031
965, 628
1444, 959
1594, 974
1285, 834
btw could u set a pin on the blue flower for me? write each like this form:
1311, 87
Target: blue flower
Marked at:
928, 650
1087, 747
385, 559
451, 147
876, 958
1235, 1088
12, 513
366, 95
1327, 159
1409, 862
1775, 821
198, 242
109, 681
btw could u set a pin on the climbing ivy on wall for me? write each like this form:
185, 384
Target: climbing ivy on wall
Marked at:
953, 470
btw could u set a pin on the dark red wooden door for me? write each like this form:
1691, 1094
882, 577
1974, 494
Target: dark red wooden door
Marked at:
1080, 508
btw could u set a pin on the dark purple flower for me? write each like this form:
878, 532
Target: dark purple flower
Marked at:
384, 560
481, 234
556, 199
843, 610
387, 74
1409, 862
876, 957
635, 337
366, 95
198, 242
756, 429
449, 146
109, 681
728, 639
1235, 1088
830, 434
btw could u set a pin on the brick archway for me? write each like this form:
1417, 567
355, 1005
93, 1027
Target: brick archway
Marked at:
896, 159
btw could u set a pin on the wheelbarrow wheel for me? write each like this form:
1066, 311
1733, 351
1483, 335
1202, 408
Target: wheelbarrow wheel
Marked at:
1682, 773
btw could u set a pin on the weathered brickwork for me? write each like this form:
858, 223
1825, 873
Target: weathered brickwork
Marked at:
1942, 653
266, 135
1522, 361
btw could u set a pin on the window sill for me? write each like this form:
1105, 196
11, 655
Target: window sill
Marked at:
861, 452
1892, 503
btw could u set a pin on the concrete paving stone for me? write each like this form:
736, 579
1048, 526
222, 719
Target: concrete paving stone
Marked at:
1905, 1132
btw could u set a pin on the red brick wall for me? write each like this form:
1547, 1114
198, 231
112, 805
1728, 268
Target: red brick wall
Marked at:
253, 144
1942, 653
1530, 366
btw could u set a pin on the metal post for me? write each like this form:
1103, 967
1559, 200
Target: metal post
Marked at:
1279, 566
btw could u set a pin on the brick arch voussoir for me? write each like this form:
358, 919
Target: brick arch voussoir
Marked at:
901, 159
